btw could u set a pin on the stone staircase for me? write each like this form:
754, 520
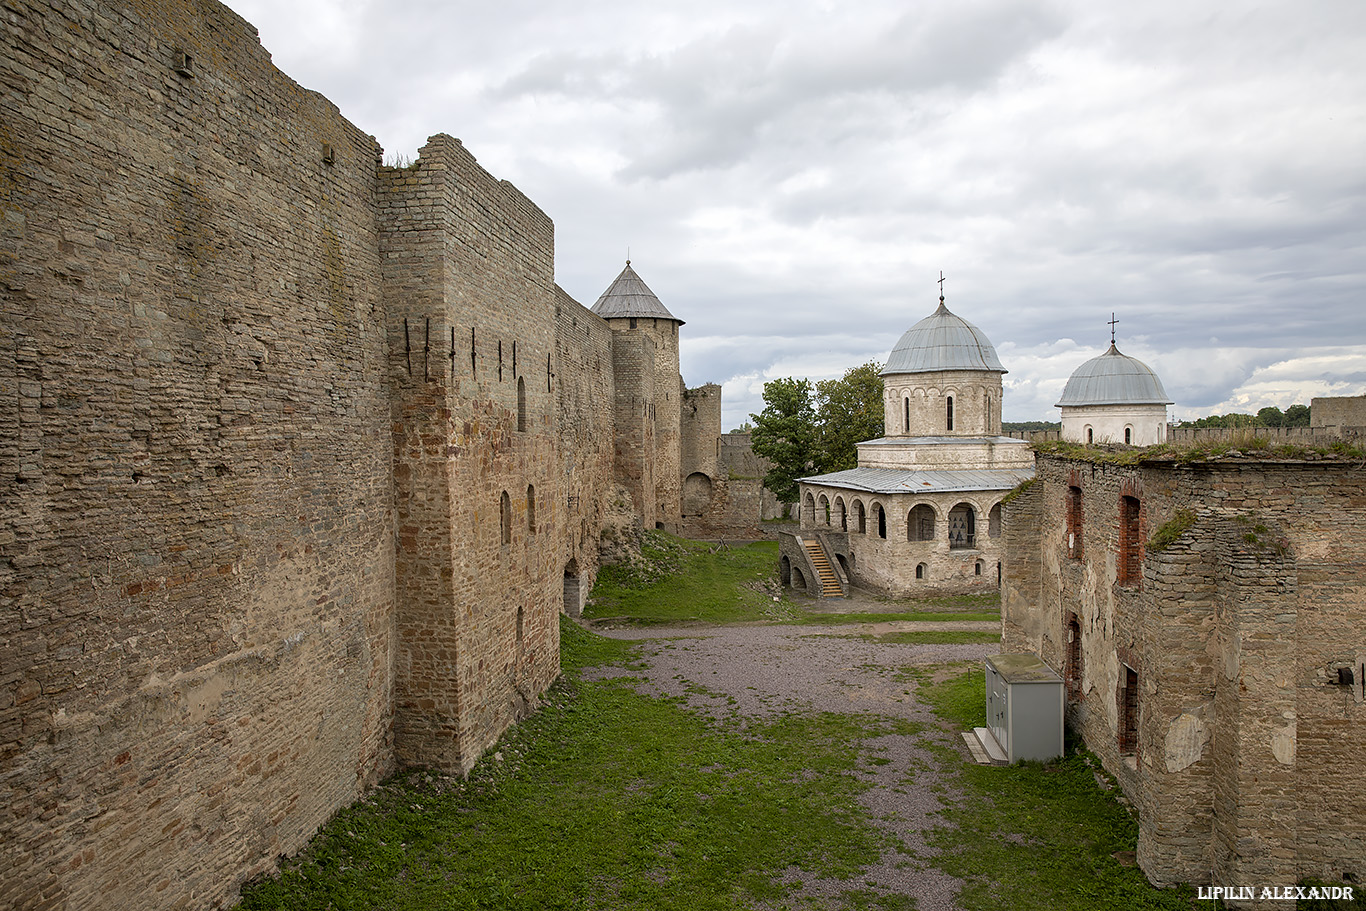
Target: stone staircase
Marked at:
830, 583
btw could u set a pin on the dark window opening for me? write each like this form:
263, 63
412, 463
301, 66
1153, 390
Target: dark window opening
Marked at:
519, 624
505, 517
531, 508
906, 415
920, 570
1128, 436
1090, 436
977, 569
521, 405
859, 525
633, 322
950, 414
1128, 713
881, 520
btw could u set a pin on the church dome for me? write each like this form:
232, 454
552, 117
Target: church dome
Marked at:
1113, 379
628, 295
942, 341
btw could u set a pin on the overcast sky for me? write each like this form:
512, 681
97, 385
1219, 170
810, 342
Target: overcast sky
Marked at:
790, 177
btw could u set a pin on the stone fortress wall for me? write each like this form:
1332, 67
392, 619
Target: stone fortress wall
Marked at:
300, 456
1220, 677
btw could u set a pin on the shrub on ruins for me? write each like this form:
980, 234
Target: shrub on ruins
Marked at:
848, 411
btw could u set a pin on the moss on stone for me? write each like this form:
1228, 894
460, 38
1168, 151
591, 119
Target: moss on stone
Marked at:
1172, 529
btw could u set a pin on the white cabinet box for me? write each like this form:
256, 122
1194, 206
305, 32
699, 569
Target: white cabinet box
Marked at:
1024, 707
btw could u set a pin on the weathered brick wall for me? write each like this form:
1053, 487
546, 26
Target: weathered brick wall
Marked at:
745, 472
196, 543
470, 301
583, 417
1244, 763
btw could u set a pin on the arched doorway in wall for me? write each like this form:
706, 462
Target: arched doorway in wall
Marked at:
962, 526
839, 519
920, 523
785, 571
696, 494
573, 593
798, 580
994, 522
879, 516
808, 511
844, 565
823, 510
860, 523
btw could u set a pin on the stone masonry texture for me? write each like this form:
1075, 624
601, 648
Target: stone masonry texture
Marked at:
301, 456
1246, 765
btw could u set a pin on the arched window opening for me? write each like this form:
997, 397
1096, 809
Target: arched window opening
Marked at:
881, 515
1090, 436
1128, 436
962, 527
1074, 516
785, 571
859, 521
988, 412
521, 405
977, 568
920, 570
920, 523
906, 415
1130, 544
949, 416
809, 511
994, 521
531, 508
519, 624
505, 517
840, 518
823, 510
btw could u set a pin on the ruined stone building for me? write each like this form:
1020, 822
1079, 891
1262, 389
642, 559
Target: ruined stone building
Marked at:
1207, 618
921, 513
301, 456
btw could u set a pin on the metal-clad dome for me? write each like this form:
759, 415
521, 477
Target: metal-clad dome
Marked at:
1113, 379
628, 295
942, 341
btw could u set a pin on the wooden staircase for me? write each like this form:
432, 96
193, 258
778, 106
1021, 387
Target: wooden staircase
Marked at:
830, 583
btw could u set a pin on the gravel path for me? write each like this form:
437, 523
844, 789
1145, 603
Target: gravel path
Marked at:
770, 669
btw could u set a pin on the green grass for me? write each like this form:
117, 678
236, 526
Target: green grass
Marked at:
678, 580
1034, 836
610, 799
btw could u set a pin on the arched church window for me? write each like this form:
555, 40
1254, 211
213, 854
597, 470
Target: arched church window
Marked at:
1128, 436
906, 415
949, 420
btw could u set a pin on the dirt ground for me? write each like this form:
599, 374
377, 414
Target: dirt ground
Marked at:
772, 668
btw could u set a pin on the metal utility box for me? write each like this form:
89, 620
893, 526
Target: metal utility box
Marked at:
1024, 707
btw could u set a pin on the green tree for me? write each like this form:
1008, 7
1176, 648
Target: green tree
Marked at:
848, 411
1270, 416
785, 434
1297, 416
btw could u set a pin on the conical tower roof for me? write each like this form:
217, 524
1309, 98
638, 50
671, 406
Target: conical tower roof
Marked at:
1113, 379
628, 295
942, 341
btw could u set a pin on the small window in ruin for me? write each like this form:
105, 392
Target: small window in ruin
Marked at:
1128, 713
1090, 436
505, 516
1128, 436
977, 569
521, 405
633, 322
531, 508
949, 416
920, 570
1074, 515
1072, 663
881, 520
1130, 544
519, 624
